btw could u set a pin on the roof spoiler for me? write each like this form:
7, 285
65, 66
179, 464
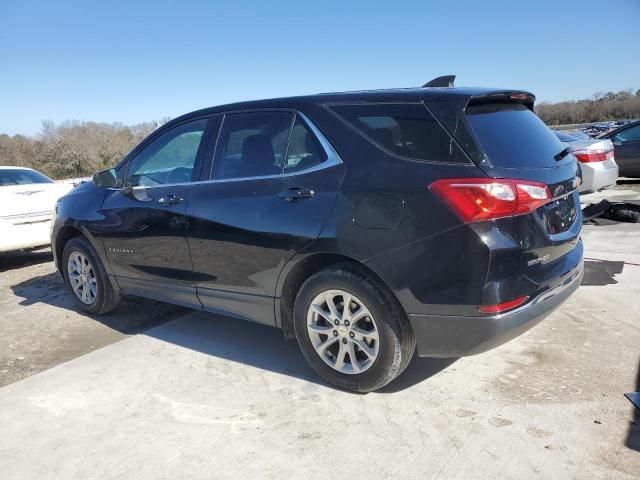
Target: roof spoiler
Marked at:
443, 81
504, 96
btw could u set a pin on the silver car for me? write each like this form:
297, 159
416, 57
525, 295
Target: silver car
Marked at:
599, 168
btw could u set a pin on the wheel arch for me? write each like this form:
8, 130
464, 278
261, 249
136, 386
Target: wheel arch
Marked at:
65, 234
69, 231
297, 272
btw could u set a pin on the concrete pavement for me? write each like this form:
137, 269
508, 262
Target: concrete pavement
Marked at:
211, 397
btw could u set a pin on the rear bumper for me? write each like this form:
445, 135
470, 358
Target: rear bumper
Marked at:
597, 176
459, 336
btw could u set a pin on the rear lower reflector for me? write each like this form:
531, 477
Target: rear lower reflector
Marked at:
501, 307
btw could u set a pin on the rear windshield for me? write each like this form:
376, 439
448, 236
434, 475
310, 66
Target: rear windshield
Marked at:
565, 137
406, 129
21, 177
513, 136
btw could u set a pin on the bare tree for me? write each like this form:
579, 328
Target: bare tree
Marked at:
73, 148
603, 106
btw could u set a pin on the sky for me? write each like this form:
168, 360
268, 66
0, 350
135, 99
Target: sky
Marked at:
131, 62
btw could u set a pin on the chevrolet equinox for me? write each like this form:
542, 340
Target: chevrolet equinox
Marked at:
366, 225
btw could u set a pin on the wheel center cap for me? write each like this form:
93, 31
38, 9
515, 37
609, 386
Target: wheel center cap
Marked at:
342, 330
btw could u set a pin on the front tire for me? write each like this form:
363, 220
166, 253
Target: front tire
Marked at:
350, 331
87, 279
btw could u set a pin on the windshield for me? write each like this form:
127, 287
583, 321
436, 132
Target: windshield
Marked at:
513, 136
20, 176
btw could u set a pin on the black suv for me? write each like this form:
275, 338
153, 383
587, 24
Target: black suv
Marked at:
364, 224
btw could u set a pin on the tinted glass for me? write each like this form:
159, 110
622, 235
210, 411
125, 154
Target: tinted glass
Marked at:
304, 149
21, 177
252, 145
565, 137
408, 130
513, 136
629, 135
169, 158
449, 113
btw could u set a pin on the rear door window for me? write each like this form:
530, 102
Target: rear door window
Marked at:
513, 136
252, 144
408, 130
304, 149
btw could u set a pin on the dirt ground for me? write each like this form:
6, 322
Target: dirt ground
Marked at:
40, 326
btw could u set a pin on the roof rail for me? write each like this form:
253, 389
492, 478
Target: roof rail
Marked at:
443, 81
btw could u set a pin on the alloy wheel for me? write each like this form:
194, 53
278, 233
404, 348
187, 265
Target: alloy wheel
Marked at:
343, 331
82, 277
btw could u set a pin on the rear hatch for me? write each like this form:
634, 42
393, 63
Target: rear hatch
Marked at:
505, 138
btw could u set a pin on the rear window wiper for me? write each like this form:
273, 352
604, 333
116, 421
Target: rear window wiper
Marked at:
562, 154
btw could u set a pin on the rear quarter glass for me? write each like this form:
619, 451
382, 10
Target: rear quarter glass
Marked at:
408, 130
513, 136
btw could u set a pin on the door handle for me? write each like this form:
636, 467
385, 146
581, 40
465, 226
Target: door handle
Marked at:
170, 200
296, 194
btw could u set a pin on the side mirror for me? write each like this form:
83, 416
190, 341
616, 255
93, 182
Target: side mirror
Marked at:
107, 178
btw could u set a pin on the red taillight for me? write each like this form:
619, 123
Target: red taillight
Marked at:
589, 156
501, 307
479, 199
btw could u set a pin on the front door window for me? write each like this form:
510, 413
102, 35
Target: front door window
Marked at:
169, 159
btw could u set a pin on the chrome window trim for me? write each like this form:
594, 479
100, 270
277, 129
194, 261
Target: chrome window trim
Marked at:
333, 158
332, 155
321, 166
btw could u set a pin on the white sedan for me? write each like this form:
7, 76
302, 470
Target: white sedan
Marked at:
596, 157
27, 201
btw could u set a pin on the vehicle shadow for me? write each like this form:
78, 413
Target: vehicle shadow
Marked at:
264, 347
601, 272
135, 315
220, 336
419, 370
633, 435
23, 258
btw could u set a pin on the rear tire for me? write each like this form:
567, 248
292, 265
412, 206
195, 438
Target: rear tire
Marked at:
361, 355
87, 279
